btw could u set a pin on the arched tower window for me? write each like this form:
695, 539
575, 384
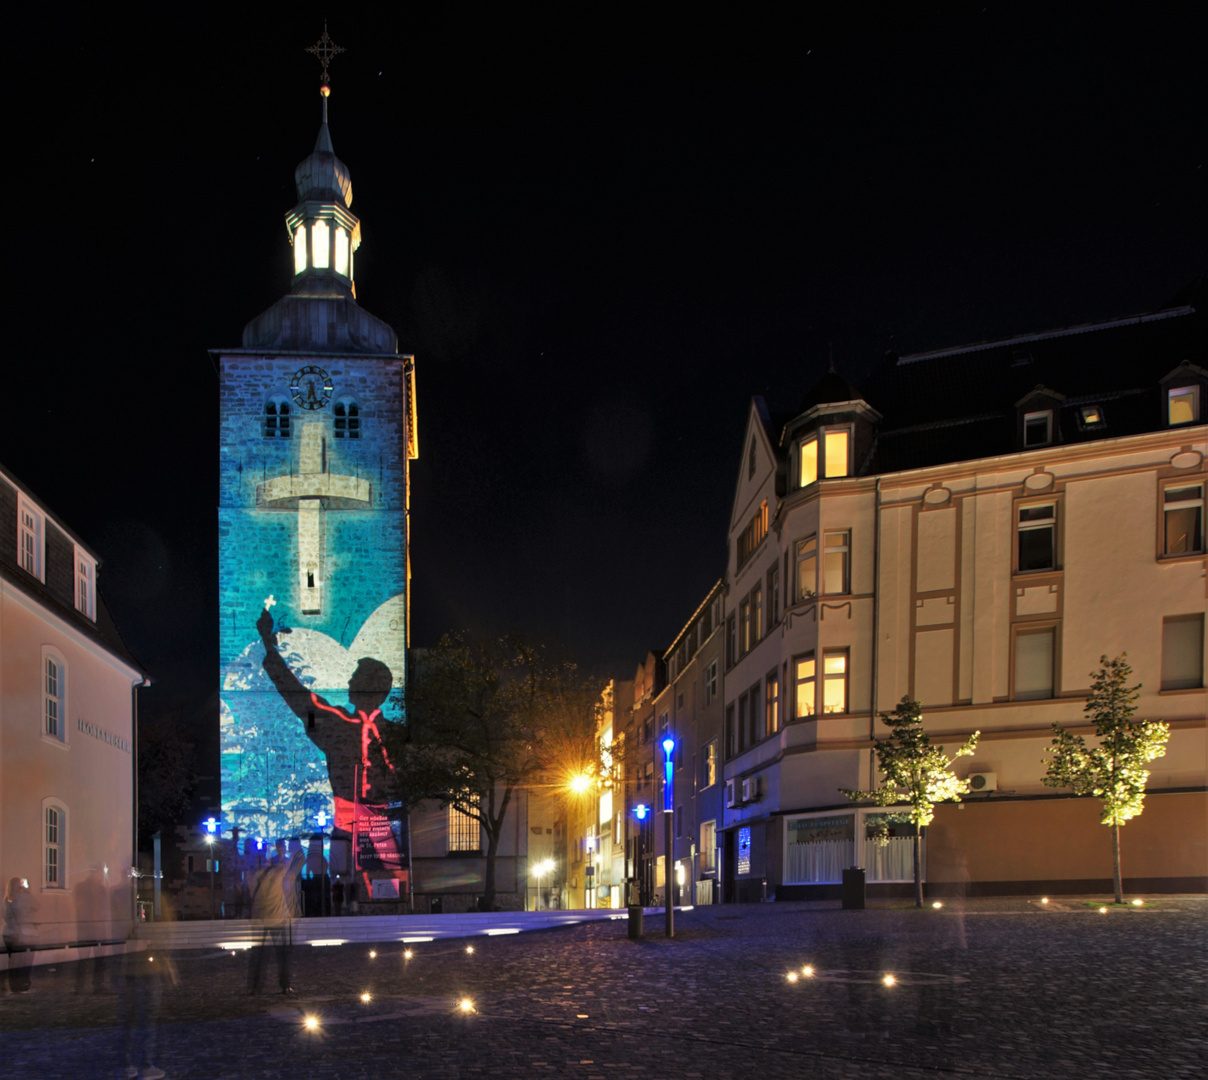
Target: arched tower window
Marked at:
348, 419
320, 243
341, 251
300, 249
276, 418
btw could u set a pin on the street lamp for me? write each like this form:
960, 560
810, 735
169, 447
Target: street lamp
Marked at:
668, 766
321, 821
641, 812
212, 834
542, 868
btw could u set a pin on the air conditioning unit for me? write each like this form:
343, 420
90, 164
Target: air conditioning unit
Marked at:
750, 789
981, 783
731, 797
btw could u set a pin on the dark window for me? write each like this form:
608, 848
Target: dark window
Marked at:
348, 419
1183, 520
1038, 428
276, 419
729, 731
1037, 537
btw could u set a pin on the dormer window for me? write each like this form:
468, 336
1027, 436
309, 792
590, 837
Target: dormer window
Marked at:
341, 251
836, 452
1037, 428
1090, 418
29, 538
300, 249
1182, 405
320, 243
85, 584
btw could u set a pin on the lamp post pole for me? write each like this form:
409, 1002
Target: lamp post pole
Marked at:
668, 803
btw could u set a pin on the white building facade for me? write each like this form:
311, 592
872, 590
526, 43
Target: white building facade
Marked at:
973, 530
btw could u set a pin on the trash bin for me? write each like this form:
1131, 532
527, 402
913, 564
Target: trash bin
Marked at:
853, 888
635, 921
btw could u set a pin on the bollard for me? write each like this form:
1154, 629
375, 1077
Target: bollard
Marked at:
853, 888
635, 921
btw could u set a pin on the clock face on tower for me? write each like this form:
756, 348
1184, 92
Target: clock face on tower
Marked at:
311, 387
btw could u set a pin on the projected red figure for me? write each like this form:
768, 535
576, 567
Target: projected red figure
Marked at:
351, 744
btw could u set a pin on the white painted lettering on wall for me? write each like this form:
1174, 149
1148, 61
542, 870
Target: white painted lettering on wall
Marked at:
103, 735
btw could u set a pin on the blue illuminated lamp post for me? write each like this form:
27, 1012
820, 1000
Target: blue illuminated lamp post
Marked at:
321, 821
641, 812
668, 803
212, 834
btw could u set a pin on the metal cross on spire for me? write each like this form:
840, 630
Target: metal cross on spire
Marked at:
323, 50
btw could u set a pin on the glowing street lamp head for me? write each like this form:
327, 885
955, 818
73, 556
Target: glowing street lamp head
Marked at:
641, 811
580, 784
211, 825
668, 745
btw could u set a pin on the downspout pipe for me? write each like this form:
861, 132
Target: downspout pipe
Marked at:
876, 630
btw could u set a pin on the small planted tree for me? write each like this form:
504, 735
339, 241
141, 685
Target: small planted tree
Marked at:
1113, 771
916, 773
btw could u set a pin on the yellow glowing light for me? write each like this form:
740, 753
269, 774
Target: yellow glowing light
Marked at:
937, 905
372, 954
1137, 903
580, 784
150, 959
407, 954
1044, 899
469, 948
808, 971
889, 980
365, 997
1103, 911
311, 1023
341, 251
320, 245
792, 976
300, 249
466, 1005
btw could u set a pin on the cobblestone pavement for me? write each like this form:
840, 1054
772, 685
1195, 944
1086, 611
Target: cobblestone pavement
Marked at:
997, 988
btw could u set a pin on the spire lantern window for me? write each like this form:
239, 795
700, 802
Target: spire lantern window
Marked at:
320, 243
300, 249
341, 251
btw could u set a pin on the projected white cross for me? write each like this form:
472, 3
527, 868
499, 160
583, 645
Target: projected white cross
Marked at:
306, 490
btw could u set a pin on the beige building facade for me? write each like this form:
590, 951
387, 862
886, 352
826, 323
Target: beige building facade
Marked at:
973, 530
67, 731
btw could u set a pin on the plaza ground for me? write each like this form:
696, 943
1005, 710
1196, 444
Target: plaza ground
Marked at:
989, 988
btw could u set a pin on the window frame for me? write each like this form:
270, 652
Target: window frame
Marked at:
811, 657
844, 679
1038, 414
837, 429
347, 419
709, 763
1030, 629
271, 426
57, 846
35, 530
1191, 390
1176, 483
710, 682
51, 655
1195, 619
844, 549
85, 582
708, 851
461, 829
771, 703
773, 586
800, 595
1053, 524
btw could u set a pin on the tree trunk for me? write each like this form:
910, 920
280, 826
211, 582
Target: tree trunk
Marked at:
1116, 862
488, 885
918, 867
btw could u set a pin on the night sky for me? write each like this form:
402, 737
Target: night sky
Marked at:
599, 234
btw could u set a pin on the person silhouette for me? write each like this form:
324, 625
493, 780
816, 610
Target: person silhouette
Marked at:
358, 766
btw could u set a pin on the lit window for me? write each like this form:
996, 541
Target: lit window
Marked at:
809, 463
341, 251
1037, 537
54, 873
276, 419
29, 539
1038, 428
807, 568
1034, 664
85, 584
53, 699
464, 830
708, 765
744, 849
836, 453
320, 244
300, 249
771, 702
1183, 652
1182, 405
835, 563
804, 679
1183, 520
1091, 417
348, 419
753, 534
834, 681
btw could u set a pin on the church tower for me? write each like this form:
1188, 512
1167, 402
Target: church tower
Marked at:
317, 428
